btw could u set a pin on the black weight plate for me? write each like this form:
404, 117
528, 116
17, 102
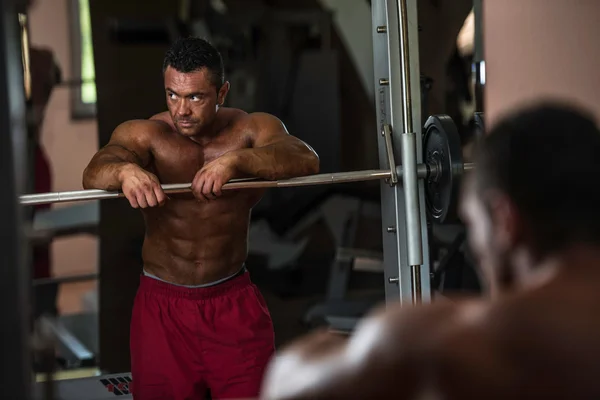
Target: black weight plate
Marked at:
442, 148
479, 124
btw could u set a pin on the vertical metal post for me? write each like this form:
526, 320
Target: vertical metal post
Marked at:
414, 235
16, 380
396, 58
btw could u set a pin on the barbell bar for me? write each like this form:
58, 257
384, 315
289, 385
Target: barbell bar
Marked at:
442, 168
423, 171
65, 279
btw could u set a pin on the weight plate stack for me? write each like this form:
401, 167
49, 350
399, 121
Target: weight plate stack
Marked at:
443, 153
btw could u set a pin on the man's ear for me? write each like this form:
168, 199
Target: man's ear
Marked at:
222, 95
507, 224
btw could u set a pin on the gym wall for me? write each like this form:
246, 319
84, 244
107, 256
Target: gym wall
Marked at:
69, 146
539, 49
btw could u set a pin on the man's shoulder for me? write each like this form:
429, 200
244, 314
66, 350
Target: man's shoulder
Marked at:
428, 327
231, 117
250, 124
260, 117
438, 310
451, 330
232, 112
239, 117
161, 121
152, 128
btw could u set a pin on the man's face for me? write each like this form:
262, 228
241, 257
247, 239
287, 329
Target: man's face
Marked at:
192, 99
490, 236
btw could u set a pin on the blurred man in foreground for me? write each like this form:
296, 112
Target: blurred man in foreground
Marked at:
532, 210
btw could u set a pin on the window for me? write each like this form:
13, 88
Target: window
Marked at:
83, 93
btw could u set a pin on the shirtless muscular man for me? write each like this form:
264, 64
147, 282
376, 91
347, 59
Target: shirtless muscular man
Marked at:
533, 216
198, 322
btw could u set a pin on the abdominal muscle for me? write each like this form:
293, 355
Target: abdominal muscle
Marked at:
194, 243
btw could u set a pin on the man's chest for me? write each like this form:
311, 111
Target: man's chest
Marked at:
178, 160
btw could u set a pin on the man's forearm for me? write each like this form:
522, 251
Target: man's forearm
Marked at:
104, 172
281, 160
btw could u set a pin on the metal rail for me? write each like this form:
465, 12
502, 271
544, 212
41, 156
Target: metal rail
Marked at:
320, 179
423, 171
414, 236
65, 279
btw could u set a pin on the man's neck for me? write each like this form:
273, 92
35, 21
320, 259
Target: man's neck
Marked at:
530, 273
207, 134
212, 130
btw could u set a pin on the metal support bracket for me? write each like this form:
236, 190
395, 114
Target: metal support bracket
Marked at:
403, 210
387, 134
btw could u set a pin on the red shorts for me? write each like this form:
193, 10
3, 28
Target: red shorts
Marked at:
187, 340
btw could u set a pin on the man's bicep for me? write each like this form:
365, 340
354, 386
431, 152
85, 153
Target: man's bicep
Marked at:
131, 142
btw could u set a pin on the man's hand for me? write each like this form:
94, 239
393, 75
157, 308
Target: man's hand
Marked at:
208, 181
141, 187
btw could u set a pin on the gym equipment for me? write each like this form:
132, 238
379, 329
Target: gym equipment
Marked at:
403, 210
102, 387
456, 272
340, 313
320, 179
70, 349
65, 279
443, 170
58, 222
279, 252
75, 335
423, 171
14, 346
442, 149
443, 153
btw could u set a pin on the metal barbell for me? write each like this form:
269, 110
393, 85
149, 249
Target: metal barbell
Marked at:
442, 168
424, 171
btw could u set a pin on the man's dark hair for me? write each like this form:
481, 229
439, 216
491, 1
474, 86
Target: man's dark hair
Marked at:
546, 158
191, 54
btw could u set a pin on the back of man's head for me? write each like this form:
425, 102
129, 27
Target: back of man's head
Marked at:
546, 159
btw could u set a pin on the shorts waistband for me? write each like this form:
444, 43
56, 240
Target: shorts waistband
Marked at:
152, 285
217, 282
